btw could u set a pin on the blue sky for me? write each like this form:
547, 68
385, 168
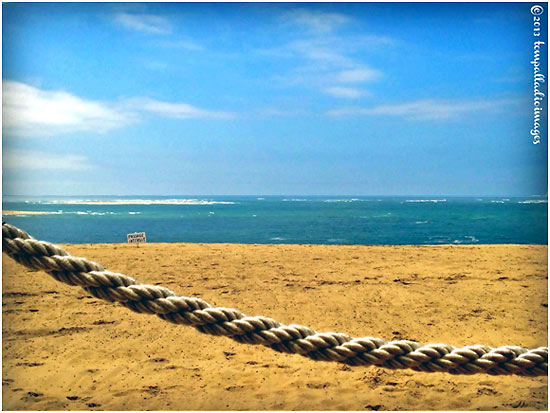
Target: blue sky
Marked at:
358, 98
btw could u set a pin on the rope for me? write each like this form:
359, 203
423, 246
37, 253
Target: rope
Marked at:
296, 339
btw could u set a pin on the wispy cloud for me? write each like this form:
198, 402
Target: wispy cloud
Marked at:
344, 92
328, 51
146, 23
325, 58
40, 161
174, 110
332, 81
29, 111
363, 74
428, 109
316, 21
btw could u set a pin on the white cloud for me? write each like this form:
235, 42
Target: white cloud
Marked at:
344, 92
147, 23
316, 21
174, 110
329, 51
428, 109
321, 50
39, 161
318, 47
29, 111
325, 61
332, 81
364, 74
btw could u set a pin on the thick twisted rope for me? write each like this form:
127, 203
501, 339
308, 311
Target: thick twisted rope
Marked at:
151, 299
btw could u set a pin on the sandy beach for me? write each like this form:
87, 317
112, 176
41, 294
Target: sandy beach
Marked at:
65, 350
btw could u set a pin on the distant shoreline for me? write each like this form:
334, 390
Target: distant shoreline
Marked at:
147, 202
27, 213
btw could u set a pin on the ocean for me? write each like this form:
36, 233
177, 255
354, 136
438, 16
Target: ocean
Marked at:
284, 219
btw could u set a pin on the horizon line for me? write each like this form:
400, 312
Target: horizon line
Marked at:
278, 195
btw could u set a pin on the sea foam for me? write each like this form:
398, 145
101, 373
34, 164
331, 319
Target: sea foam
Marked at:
425, 200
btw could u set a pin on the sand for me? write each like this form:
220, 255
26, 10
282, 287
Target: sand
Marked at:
64, 350
26, 213
148, 202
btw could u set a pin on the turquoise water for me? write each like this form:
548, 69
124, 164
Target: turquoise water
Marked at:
289, 220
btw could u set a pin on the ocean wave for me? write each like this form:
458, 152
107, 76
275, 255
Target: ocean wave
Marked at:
386, 215
338, 240
134, 212
342, 200
294, 200
425, 200
421, 222
95, 213
144, 202
469, 240
534, 201
277, 239
439, 239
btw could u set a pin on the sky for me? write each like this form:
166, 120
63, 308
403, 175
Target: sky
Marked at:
278, 98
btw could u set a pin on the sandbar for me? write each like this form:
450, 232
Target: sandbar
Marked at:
150, 202
4, 212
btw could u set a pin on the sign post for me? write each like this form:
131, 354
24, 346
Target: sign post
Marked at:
136, 238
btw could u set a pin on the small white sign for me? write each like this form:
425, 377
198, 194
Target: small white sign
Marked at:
136, 238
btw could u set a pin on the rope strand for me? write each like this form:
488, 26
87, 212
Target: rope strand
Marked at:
293, 339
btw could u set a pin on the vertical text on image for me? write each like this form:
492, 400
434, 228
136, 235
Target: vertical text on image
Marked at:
538, 76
